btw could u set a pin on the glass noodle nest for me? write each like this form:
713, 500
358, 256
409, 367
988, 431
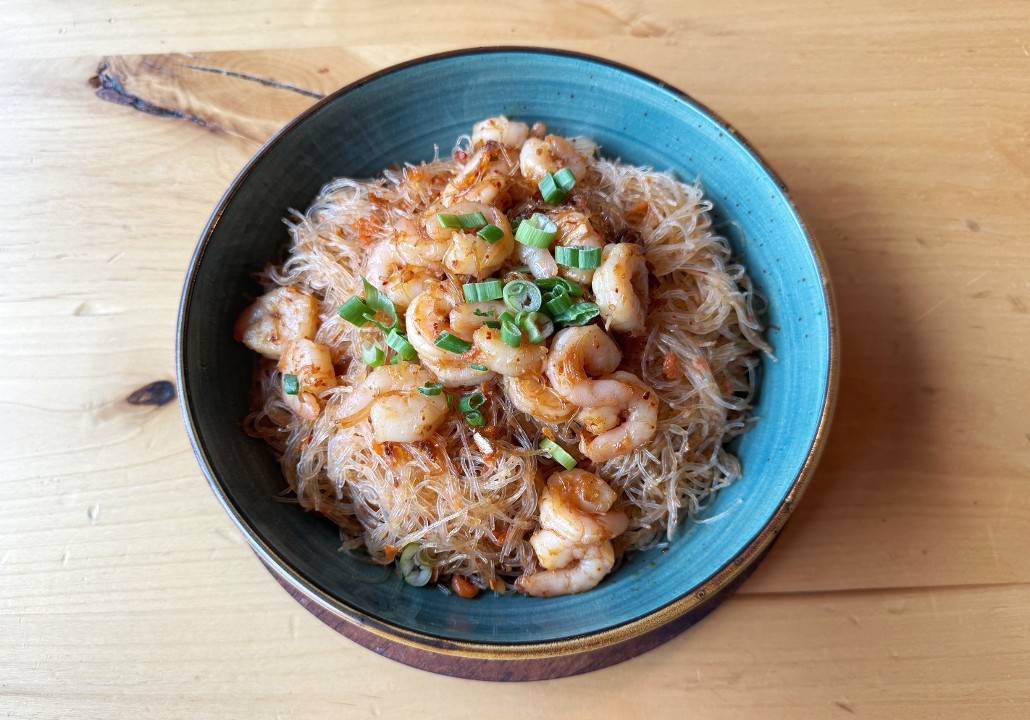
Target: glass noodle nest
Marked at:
470, 495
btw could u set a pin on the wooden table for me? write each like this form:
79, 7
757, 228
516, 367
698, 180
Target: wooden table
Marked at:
901, 588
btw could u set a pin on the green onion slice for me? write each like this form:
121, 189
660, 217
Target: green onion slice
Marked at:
373, 356
558, 303
578, 256
558, 453
378, 303
511, 334
491, 233
471, 402
452, 343
465, 221
475, 418
355, 311
565, 179
550, 191
477, 366
493, 324
522, 296
399, 342
479, 313
550, 284
484, 291
431, 388
538, 231
415, 565
537, 326
578, 314
291, 385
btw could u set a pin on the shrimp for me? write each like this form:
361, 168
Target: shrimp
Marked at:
575, 228
467, 253
620, 288
531, 393
484, 177
469, 317
275, 318
539, 157
639, 423
539, 260
389, 397
576, 354
387, 268
500, 130
573, 544
312, 363
427, 316
504, 359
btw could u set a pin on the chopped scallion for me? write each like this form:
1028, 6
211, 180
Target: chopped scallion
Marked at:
578, 314
471, 402
549, 285
558, 303
565, 179
538, 231
415, 566
484, 291
452, 343
511, 334
522, 296
378, 303
355, 311
431, 388
291, 385
491, 234
477, 366
537, 326
549, 190
558, 453
493, 324
399, 342
465, 221
479, 313
475, 418
373, 356
577, 256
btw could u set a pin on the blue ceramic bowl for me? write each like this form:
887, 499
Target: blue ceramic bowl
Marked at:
399, 115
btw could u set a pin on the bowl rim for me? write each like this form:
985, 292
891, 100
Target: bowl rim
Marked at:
692, 598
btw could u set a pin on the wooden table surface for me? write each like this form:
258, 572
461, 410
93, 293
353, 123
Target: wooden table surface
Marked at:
901, 587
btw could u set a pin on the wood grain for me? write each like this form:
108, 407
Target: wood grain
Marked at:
901, 587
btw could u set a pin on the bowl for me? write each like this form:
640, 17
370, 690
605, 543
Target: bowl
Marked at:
402, 114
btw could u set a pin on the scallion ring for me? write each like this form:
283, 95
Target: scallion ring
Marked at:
491, 234
475, 418
551, 284
431, 388
471, 402
355, 311
465, 221
399, 342
578, 256
452, 343
558, 453
578, 314
378, 303
550, 191
522, 296
537, 327
565, 179
558, 303
415, 565
373, 356
511, 334
538, 231
291, 385
484, 291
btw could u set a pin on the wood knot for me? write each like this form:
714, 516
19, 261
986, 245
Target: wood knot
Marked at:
159, 392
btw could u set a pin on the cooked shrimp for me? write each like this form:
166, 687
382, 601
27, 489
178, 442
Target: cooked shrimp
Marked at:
469, 317
596, 420
578, 353
500, 129
533, 395
539, 157
467, 253
637, 428
389, 397
502, 358
620, 288
539, 260
427, 316
275, 318
574, 541
484, 176
575, 228
388, 269
312, 363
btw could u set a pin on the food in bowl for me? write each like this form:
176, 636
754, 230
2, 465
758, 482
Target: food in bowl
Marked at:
506, 368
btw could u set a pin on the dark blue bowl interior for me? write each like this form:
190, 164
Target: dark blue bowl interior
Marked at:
399, 116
